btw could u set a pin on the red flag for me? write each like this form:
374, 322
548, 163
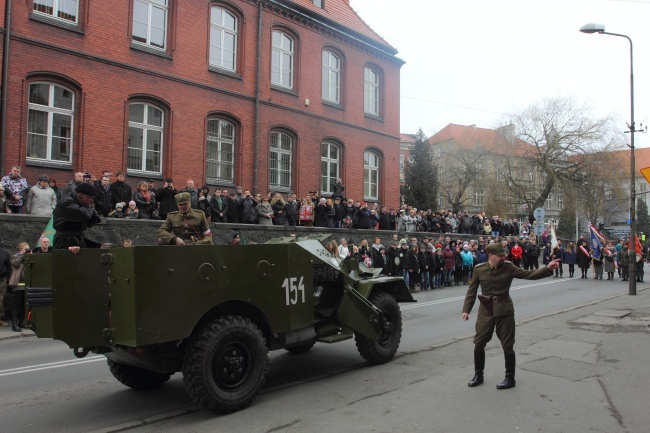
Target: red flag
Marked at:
637, 248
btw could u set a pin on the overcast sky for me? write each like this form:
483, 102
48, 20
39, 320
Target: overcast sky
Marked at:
472, 61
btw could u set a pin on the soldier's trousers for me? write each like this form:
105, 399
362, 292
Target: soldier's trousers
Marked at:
505, 328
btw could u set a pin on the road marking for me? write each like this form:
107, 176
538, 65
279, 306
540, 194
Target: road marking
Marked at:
460, 298
49, 366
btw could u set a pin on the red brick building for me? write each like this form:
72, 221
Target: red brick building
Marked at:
278, 94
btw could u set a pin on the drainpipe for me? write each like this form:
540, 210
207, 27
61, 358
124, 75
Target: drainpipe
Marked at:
5, 85
257, 96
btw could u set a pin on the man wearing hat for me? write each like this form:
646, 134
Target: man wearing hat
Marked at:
41, 199
73, 214
185, 227
497, 310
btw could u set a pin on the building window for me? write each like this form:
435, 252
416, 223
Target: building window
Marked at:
330, 162
145, 141
150, 22
370, 175
331, 77
280, 160
401, 162
318, 3
560, 202
50, 122
223, 39
371, 91
549, 201
220, 151
67, 10
478, 197
282, 60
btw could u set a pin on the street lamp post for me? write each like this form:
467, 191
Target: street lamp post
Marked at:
599, 28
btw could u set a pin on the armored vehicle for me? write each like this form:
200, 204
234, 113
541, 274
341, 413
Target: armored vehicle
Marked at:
211, 312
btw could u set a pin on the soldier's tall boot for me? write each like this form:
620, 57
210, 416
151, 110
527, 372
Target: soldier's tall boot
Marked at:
509, 381
479, 366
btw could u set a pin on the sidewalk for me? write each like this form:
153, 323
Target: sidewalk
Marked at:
6, 333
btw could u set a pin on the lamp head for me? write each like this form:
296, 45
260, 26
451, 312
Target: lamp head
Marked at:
592, 28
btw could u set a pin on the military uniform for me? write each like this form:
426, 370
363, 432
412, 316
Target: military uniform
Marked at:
496, 310
624, 263
192, 227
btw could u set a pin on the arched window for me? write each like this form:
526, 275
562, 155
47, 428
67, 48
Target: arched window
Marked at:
50, 122
280, 160
331, 77
330, 163
371, 91
282, 59
223, 39
150, 22
220, 151
145, 141
370, 175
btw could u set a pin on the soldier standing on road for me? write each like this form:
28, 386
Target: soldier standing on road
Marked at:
496, 309
185, 227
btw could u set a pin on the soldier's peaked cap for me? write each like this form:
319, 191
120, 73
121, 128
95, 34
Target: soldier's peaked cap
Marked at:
496, 248
183, 197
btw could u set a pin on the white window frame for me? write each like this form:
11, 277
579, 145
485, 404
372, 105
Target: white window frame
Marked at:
282, 69
145, 131
319, 3
329, 178
151, 4
219, 140
371, 169
331, 88
223, 31
371, 91
56, 9
275, 148
51, 110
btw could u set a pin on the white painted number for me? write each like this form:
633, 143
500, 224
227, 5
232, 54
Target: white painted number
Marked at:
291, 287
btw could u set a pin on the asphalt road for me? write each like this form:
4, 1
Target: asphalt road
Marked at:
45, 388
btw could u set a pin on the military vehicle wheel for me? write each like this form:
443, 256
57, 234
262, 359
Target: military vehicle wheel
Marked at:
300, 348
137, 378
225, 364
382, 350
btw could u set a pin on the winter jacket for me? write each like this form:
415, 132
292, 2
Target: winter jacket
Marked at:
41, 201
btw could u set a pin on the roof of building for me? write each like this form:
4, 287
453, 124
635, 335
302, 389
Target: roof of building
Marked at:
622, 159
492, 140
340, 11
407, 138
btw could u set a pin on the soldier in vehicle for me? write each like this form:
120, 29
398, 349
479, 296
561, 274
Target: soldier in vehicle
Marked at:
496, 309
73, 214
185, 227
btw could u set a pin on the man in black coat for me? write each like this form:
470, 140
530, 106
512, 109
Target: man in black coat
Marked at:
165, 197
219, 207
104, 199
73, 214
291, 210
120, 191
363, 216
384, 219
233, 215
5, 273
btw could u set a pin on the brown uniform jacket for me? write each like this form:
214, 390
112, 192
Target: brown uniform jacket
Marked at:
193, 228
496, 282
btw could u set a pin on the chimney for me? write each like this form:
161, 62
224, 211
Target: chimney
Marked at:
508, 132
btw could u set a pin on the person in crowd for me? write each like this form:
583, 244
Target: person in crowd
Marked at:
571, 257
74, 183
120, 190
219, 207
236, 239
16, 190
248, 208
193, 192
392, 254
403, 256
450, 263
516, 254
496, 309
610, 260
239, 194
333, 249
72, 215
547, 253
623, 262
364, 251
343, 251
339, 212
57, 191
376, 246
458, 265
425, 264
411, 221
104, 200
439, 268
584, 258
321, 213
278, 205
558, 253
187, 226
3, 200
233, 214
17, 286
306, 212
165, 197
41, 199
338, 189
118, 212
402, 221
43, 248
392, 219
132, 212
467, 259
597, 260
5, 273
265, 211
127, 243
145, 201
380, 261
291, 208
204, 202
384, 219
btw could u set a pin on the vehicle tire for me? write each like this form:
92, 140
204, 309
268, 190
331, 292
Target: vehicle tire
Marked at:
225, 364
300, 348
384, 349
137, 378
